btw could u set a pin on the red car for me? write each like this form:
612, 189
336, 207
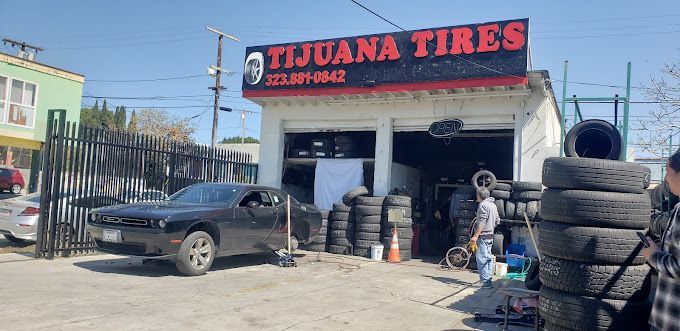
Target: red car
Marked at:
11, 180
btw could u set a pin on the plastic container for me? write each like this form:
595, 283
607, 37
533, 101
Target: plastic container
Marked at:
377, 252
515, 249
500, 269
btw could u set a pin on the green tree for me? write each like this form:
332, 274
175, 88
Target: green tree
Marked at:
132, 126
119, 118
237, 140
106, 117
90, 116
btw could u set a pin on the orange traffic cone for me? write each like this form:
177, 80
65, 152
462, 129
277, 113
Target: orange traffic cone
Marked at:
394, 248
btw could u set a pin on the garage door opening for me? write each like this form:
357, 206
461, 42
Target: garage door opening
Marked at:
431, 169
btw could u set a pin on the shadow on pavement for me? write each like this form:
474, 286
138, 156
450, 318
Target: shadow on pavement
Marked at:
7, 246
137, 266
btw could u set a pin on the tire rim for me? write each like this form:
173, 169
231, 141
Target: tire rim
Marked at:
16, 189
200, 253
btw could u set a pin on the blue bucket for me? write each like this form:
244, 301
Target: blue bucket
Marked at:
515, 249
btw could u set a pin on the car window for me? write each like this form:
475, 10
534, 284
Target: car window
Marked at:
206, 193
261, 197
5, 173
277, 199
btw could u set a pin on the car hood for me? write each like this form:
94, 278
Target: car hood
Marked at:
156, 209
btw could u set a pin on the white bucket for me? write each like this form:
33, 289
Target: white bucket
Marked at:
500, 269
377, 252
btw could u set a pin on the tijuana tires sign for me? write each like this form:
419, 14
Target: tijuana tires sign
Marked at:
489, 53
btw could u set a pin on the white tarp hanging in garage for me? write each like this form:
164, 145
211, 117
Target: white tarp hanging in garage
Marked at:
334, 178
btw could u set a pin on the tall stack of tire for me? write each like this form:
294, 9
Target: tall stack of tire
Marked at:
463, 211
592, 271
368, 212
513, 201
340, 239
404, 228
320, 242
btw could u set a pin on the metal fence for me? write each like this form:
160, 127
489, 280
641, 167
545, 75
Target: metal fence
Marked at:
89, 167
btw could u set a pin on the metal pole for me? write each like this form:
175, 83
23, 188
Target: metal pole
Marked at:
564, 108
243, 125
616, 111
288, 222
217, 89
626, 109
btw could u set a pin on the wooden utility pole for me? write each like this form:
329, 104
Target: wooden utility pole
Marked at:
218, 74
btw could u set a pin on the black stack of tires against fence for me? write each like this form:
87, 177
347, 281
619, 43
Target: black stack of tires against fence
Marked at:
345, 148
404, 228
320, 242
368, 212
592, 272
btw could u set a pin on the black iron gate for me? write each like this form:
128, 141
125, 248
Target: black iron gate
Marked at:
88, 167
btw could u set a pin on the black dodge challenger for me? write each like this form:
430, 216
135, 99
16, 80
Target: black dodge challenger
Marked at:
201, 222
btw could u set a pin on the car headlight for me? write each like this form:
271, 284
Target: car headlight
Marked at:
162, 224
93, 217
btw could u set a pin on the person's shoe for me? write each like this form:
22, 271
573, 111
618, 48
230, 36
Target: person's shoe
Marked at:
487, 284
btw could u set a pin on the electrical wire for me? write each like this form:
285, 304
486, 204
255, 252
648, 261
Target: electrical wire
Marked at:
606, 19
143, 80
607, 35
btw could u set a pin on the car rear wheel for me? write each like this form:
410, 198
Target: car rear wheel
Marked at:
15, 189
196, 254
15, 240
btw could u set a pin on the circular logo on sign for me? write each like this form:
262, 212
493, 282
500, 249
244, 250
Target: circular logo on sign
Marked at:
254, 68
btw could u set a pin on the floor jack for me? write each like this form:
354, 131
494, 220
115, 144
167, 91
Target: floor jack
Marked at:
284, 259
528, 319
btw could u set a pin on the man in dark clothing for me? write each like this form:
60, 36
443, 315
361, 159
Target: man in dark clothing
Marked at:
487, 219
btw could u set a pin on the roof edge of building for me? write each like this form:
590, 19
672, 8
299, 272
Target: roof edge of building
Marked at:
32, 65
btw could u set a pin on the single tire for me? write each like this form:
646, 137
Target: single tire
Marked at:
532, 281
341, 207
345, 155
363, 252
585, 313
407, 210
338, 249
598, 209
318, 240
366, 243
496, 194
595, 175
532, 210
344, 140
526, 196
338, 234
369, 201
503, 187
589, 244
526, 186
500, 206
300, 153
368, 227
397, 200
339, 216
486, 176
339, 225
371, 219
316, 247
595, 280
351, 195
341, 242
325, 214
403, 242
196, 254
404, 255
595, 139
362, 210
509, 210
405, 223
370, 236
403, 233
345, 148
15, 189
520, 209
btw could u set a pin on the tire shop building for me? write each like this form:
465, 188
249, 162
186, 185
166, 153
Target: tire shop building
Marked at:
397, 102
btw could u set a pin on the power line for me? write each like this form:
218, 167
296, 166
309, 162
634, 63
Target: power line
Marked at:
143, 80
128, 44
608, 35
628, 27
606, 19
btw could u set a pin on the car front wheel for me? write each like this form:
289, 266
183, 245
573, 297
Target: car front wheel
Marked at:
196, 254
15, 189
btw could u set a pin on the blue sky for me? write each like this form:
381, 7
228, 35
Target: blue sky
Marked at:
131, 40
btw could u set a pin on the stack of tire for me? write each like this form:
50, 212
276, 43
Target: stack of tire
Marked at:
526, 198
368, 211
321, 148
320, 242
463, 211
593, 274
404, 228
345, 148
343, 222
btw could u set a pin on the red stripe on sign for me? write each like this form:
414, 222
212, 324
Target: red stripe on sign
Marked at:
463, 83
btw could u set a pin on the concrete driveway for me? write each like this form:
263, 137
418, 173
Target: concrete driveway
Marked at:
336, 293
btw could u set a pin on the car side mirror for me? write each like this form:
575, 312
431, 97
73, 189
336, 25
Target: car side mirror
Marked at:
253, 204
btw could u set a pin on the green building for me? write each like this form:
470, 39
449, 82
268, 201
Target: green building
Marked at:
28, 89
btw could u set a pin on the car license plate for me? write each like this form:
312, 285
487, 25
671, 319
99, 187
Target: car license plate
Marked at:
111, 236
5, 212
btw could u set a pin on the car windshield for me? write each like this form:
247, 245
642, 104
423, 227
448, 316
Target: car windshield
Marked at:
206, 193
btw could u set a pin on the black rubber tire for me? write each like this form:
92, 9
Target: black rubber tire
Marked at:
342, 148
584, 313
509, 210
182, 260
403, 233
405, 223
368, 227
605, 140
315, 247
369, 201
371, 219
339, 225
526, 186
481, 173
344, 140
363, 252
351, 195
365, 243
404, 244
532, 281
341, 242
338, 234
321, 153
468, 205
526, 196
370, 236
503, 187
318, 240
594, 280
599, 209
496, 194
520, 209
345, 155
497, 247
338, 249
595, 175
407, 210
324, 222
500, 205
397, 200
341, 207
367, 210
532, 210
299, 153
589, 244
339, 216
404, 255
325, 214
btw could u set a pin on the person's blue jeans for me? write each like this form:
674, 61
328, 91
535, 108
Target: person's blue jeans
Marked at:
484, 259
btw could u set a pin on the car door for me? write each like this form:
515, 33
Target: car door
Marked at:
280, 236
5, 177
254, 226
